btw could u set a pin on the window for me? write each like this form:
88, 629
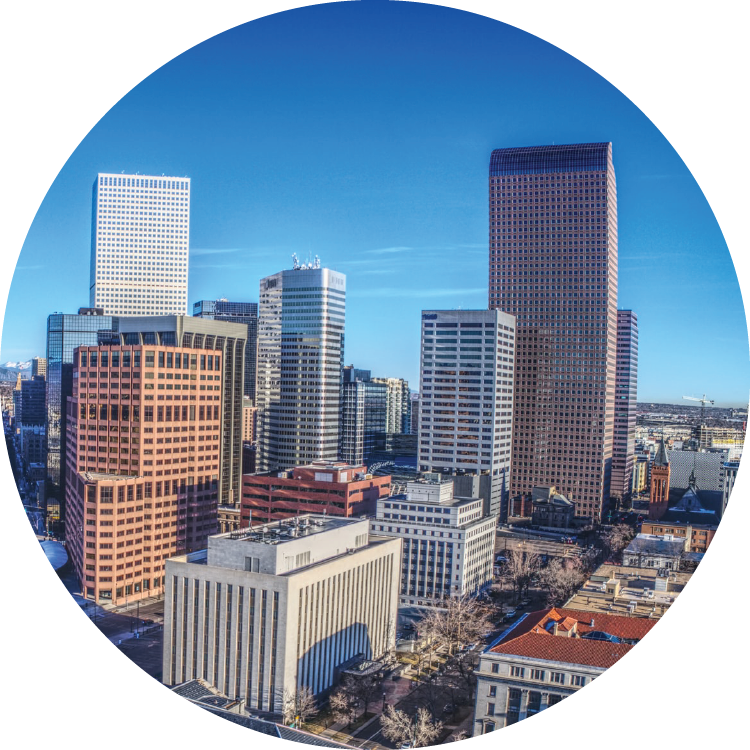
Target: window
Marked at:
514, 706
495, 668
490, 709
492, 692
537, 674
517, 671
558, 677
578, 680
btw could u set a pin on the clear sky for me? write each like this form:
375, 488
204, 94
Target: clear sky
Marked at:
361, 132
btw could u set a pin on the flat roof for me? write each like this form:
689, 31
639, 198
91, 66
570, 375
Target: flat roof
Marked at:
289, 529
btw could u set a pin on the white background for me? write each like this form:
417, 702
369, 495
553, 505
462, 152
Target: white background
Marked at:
682, 63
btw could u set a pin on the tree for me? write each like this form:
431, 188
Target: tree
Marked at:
562, 577
519, 569
343, 706
462, 620
362, 688
399, 727
616, 538
298, 704
462, 735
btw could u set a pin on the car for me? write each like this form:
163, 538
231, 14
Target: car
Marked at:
525, 602
509, 615
404, 746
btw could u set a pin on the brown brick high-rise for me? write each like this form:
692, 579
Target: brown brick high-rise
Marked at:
144, 429
553, 264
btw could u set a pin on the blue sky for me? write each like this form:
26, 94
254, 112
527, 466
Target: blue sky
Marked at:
361, 132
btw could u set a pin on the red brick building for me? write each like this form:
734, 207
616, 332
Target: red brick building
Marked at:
700, 535
144, 429
335, 488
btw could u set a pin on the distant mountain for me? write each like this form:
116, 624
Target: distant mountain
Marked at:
17, 366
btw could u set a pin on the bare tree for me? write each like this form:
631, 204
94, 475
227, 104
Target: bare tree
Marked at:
616, 538
462, 735
344, 706
519, 569
562, 577
298, 705
399, 727
362, 688
462, 620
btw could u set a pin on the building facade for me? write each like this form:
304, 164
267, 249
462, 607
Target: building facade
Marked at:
64, 334
398, 405
300, 357
333, 488
466, 397
31, 402
280, 607
227, 341
698, 536
729, 477
553, 265
140, 236
236, 312
626, 397
658, 500
448, 541
143, 466
546, 656
39, 366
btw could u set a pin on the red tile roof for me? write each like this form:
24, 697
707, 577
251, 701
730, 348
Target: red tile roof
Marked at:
530, 637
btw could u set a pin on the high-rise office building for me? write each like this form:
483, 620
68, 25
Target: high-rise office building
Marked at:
553, 264
140, 234
220, 336
300, 352
352, 429
236, 312
143, 464
364, 416
31, 402
266, 611
626, 396
64, 334
398, 405
466, 398
39, 367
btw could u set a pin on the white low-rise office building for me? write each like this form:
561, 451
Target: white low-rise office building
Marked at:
278, 607
448, 541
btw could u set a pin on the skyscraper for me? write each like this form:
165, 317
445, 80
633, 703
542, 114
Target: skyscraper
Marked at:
140, 233
626, 395
219, 336
398, 405
466, 398
300, 352
64, 334
39, 366
134, 451
236, 312
553, 264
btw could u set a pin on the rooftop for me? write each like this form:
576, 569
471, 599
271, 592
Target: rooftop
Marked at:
653, 544
203, 695
286, 530
533, 636
637, 595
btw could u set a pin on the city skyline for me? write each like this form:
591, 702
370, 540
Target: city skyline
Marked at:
424, 215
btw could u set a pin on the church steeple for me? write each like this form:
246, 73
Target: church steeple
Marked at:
660, 473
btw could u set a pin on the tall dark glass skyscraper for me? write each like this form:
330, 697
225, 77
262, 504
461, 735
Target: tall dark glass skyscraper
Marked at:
236, 312
64, 334
553, 264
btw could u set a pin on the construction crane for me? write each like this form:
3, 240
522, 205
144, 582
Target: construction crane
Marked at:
702, 401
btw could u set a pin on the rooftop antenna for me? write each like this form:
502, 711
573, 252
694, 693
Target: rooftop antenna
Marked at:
295, 262
316, 262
